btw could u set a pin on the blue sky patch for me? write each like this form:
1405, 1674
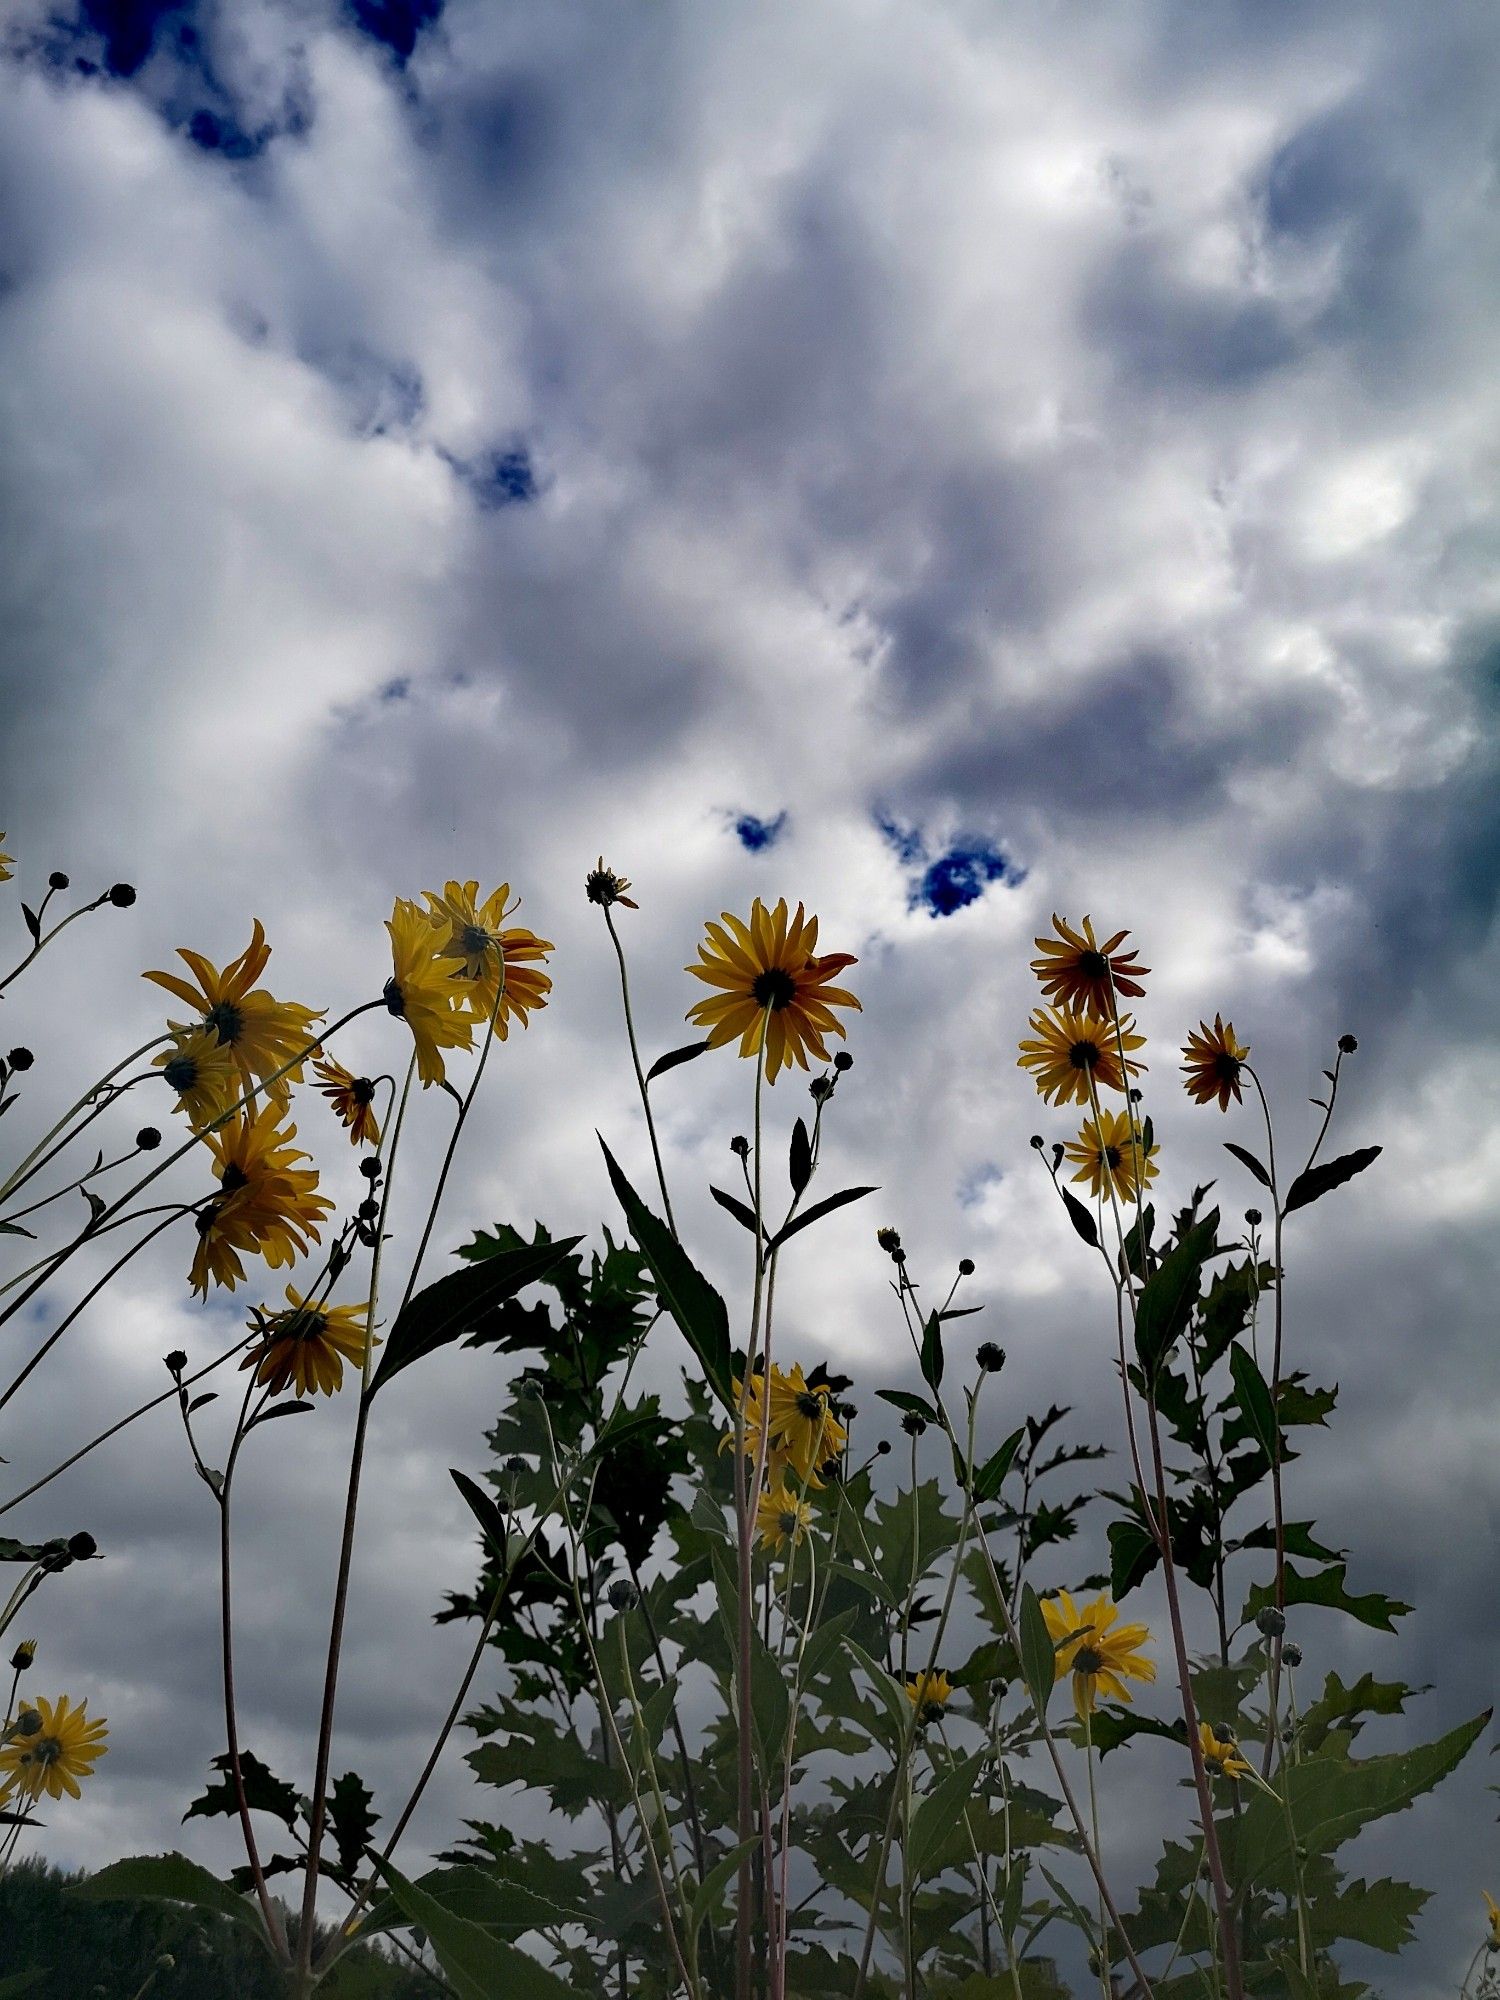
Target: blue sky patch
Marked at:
396, 23
951, 880
756, 835
504, 477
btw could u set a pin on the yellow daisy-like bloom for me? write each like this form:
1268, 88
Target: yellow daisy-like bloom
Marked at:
803, 1425
6, 868
352, 1098
1222, 1753
262, 1034
1211, 1063
52, 1759
929, 1694
308, 1346
1492, 1909
1099, 1658
202, 1071
1076, 971
770, 963
423, 992
780, 1517
1067, 1048
268, 1205
474, 940
1108, 1154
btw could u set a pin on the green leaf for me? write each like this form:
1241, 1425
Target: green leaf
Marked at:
264, 1792
824, 1642
732, 1205
1319, 1180
818, 1210
1134, 1261
1081, 1219
169, 1878
701, 1315
1166, 1299
492, 1524
914, 1406
476, 1963
710, 1891
351, 1819
932, 1353
770, 1704
898, 1708
1326, 1586
936, 1815
445, 1311
1038, 1654
1253, 1395
1133, 1555
674, 1059
799, 1163
1248, 1159
992, 1474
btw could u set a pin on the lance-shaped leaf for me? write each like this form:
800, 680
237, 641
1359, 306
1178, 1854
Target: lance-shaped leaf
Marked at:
170, 1878
799, 1164
674, 1060
701, 1315
939, 1815
1166, 1299
482, 1506
1248, 1160
741, 1211
1081, 1219
1253, 1395
447, 1310
932, 1353
991, 1475
818, 1210
1038, 1654
1319, 1180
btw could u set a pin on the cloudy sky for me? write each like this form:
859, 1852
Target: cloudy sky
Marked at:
945, 462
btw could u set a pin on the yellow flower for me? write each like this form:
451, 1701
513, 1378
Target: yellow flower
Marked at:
352, 1098
6, 870
1077, 972
472, 936
1493, 1910
1099, 1659
422, 991
308, 1345
202, 1071
1212, 1060
770, 963
1108, 1154
54, 1757
803, 1425
781, 1517
1068, 1048
1222, 1754
268, 1206
929, 1694
263, 1034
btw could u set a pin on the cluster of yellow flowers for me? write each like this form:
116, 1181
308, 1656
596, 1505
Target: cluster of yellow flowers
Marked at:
801, 1434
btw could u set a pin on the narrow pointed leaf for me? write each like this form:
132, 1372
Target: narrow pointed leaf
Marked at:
1247, 1159
1319, 1180
799, 1165
732, 1205
674, 1060
1038, 1654
818, 1210
1081, 1219
701, 1315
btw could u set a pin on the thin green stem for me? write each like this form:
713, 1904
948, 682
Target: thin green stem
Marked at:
640, 1074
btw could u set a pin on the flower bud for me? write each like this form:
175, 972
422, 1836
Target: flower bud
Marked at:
20, 1059
147, 1139
23, 1656
1347, 1045
1252, 1216
1037, 1142
889, 1240
739, 1145
370, 1168
883, 1449
820, 1089
1291, 1653
1269, 1622
622, 1595
966, 1267
57, 879
515, 1466
166, 1962
82, 1546
176, 1361
122, 895
913, 1424
27, 1723
843, 1060
990, 1357
369, 1209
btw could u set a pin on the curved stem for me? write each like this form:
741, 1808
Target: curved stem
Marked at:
640, 1074
26, 1168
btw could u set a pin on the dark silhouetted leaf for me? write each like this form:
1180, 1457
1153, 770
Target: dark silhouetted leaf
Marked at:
1319, 1180
675, 1059
1081, 1219
686, 1294
447, 1310
818, 1210
799, 1163
1248, 1159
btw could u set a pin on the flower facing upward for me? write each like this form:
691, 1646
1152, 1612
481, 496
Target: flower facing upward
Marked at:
601, 885
1112, 1157
1222, 1753
1068, 1048
1077, 972
1100, 1659
268, 1206
423, 992
477, 949
770, 964
780, 1517
263, 1035
308, 1345
803, 1425
1492, 1910
202, 1071
1212, 1061
52, 1759
929, 1694
352, 1098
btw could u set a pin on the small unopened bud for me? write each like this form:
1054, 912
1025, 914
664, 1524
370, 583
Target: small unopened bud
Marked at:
1269, 1622
122, 895
1252, 1216
23, 1656
1134, 1094
966, 1267
622, 1595
1037, 1142
1057, 1152
370, 1168
843, 1060
57, 879
913, 1424
1291, 1653
176, 1361
990, 1357
515, 1466
20, 1058
889, 1240
1347, 1045
820, 1089
882, 1450
369, 1209
147, 1139
846, 1412
82, 1546
739, 1145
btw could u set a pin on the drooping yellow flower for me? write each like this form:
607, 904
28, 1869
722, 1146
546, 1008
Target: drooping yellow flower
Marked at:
423, 992
352, 1098
307, 1345
474, 942
929, 1694
1212, 1061
803, 1425
1492, 1909
1222, 1753
262, 1034
268, 1205
49, 1760
1099, 1658
781, 1517
1067, 1048
202, 1071
770, 963
1110, 1155
1077, 972
7, 869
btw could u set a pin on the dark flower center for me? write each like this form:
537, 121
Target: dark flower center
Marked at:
1087, 1660
1084, 1055
1112, 1158
787, 1523
392, 995
475, 940
233, 1178
181, 1073
1093, 964
1226, 1067
774, 988
932, 1711
227, 1022
362, 1090
810, 1405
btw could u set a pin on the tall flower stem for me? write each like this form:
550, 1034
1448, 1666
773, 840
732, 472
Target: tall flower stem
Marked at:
33, 1161
640, 1074
1277, 1504
1106, 1956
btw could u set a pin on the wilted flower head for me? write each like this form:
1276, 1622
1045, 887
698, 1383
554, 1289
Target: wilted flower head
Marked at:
352, 1098
603, 886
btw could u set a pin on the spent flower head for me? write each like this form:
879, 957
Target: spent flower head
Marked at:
603, 886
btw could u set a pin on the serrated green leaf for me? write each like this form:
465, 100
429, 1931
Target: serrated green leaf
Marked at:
1326, 1587
1166, 1300
1319, 1181
701, 1315
445, 1311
